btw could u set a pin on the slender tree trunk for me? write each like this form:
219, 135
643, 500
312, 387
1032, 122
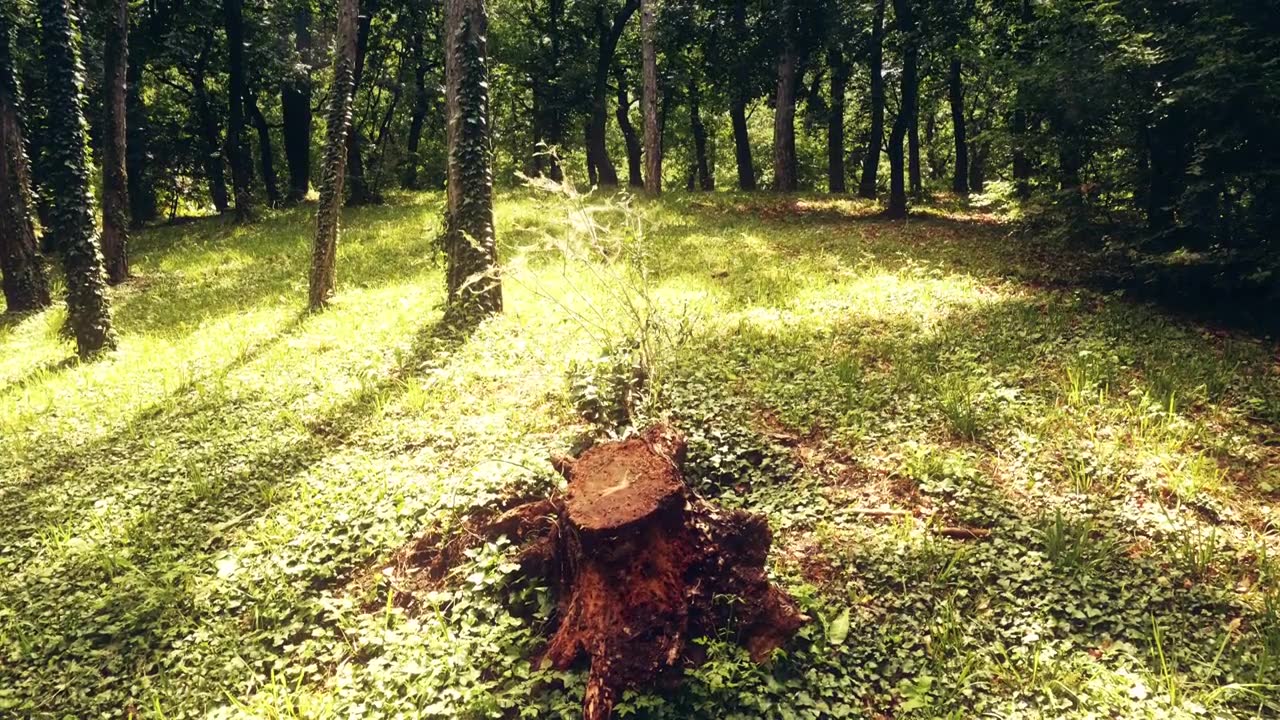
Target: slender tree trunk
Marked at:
867, 186
913, 151
295, 106
739, 98
784, 116
652, 131
266, 155
609, 34
472, 281
333, 173
71, 216
358, 190
906, 111
143, 206
835, 121
22, 273
1021, 164
702, 168
238, 149
214, 169
635, 157
978, 166
955, 86
421, 100
115, 176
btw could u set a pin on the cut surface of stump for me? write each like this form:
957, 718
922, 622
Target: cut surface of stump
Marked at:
644, 563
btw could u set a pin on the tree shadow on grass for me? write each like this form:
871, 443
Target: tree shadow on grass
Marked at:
111, 546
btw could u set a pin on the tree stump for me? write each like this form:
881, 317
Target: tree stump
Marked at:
644, 566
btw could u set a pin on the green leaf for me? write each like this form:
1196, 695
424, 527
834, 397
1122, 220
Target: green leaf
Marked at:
838, 629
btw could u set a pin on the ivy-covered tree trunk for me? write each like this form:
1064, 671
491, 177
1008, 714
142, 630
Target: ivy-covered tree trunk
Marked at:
238, 149
867, 186
635, 156
955, 92
649, 100
472, 281
22, 273
902, 124
71, 217
784, 117
333, 172
295, 106
835, 120
115, 176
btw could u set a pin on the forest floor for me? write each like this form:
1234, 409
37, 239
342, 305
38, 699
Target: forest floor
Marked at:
205, 524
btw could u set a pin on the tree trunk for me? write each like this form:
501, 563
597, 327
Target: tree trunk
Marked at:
835, 121
295, 106
635, 157
266, 155
978, 166
71, 218
22, 273
906, 111
358, 190
641, 565
739, 97
328, 214
871, 161
472, 281
652, 132
784, 116
214, 169
238, 149
421, 101
609, 34
955, 92
115, 176
143, 206
913, 150
1021, 164
702, 169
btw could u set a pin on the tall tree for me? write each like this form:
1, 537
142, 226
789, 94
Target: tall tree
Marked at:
1022, 53
22, 274
902, 124
238, 148
867, 186
740, 96
955, 93
835, 119
115, 176
471, 250
609, 32
71, 217
635, 156
295, 106
701, 167
649, 102
359, 192
333, 173
266, 155
784, 117
421, 103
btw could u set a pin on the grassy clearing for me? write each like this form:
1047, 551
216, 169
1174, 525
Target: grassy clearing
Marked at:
197, 526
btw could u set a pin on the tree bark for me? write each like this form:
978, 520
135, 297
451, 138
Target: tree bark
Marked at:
333, 174
652, 131
22, 273
266, 155
295, 106
978, 166
71, 216
913, 149
358, 190
784, 116
143, 205
955, 92
421, 101
739, 98
238, 149
702, 168
835, 121
210, 135
635, 157
115, 176
609, 34
472, 281
867, 186
906, 111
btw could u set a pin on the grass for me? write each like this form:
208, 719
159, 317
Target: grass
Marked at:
187, 527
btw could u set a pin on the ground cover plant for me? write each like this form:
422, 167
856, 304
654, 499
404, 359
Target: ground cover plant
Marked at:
995, 491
